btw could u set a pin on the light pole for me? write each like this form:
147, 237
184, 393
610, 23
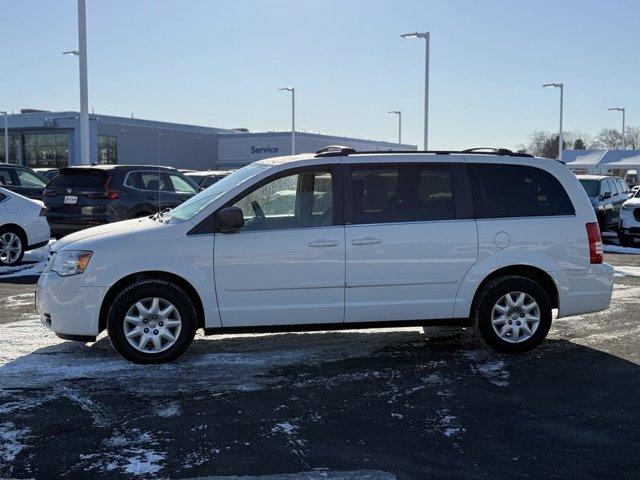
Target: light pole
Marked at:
623, 110
6, 136
293, 116
81, 53
560, 142
399, 113
424, 35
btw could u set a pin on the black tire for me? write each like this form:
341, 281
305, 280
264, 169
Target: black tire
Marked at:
23, 244
489, 296
146, 289
625, 240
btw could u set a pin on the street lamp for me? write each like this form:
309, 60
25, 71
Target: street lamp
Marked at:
81, 53
293, 116
399, 113
561, 87
623, 110
6, 136
425, 36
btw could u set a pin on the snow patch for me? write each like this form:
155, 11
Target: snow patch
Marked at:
494, 372
130, 453
10, 441
285, 427
169, 410
618, 249
626, 271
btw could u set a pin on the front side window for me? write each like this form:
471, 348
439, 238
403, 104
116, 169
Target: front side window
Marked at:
294, 201
404, 193
517, 191
180, 185
28, 179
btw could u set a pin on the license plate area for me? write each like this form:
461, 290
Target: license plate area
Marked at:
70, 199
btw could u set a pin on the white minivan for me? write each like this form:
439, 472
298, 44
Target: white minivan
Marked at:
340, 239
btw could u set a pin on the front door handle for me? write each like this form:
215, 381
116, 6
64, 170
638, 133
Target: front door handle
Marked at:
366, 241
324, 243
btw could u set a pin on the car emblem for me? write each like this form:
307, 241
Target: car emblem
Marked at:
68, 190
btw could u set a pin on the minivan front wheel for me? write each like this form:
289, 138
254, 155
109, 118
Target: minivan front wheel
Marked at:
151, 321
513, 314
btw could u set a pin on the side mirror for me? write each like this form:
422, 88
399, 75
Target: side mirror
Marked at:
229, 220
606, 195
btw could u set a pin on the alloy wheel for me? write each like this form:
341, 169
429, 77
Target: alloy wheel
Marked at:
515, 317
152, 325
10, 248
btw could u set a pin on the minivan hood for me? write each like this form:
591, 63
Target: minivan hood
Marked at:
110, 229
632, 202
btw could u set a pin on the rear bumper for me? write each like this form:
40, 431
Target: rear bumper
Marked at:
586, 291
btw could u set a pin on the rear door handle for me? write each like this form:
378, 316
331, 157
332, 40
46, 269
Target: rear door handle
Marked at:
324, 243
366, 241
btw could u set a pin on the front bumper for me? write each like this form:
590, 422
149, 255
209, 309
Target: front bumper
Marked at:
628, 224
586, 291
67, 308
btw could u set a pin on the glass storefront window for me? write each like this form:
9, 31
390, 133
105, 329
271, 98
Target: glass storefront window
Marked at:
107, 150
13, 148
46, 150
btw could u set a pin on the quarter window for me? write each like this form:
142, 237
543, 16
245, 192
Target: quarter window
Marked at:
404, 193
5, 177
295, 201
517, 191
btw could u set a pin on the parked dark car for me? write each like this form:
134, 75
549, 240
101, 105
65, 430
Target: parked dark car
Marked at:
607, 194
85, 196
208, 178
22, 180
47, 173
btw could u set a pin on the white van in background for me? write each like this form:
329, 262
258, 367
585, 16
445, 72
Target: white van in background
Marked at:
340, 239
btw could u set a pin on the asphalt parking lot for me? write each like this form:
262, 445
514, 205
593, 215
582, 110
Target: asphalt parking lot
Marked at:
380, 404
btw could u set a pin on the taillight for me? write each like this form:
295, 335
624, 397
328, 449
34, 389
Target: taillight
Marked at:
108, 193
595, 242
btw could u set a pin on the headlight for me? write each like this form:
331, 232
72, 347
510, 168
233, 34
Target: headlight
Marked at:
627, 208
71, 262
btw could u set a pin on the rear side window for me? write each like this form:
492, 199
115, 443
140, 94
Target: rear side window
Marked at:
28, 179
517, 191
80, 178
592, 187
152, 181
402, 193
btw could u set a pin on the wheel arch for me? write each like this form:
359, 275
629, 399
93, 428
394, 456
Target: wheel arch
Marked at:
21, 231
527, 271
149, 275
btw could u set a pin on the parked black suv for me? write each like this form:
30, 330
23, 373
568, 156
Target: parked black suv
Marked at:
208, 178
607, 194
22, 180
85, 196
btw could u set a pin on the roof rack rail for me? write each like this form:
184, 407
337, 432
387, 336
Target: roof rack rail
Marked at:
337, 150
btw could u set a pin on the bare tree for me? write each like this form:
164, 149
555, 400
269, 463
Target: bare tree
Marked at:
608, 138
632, 138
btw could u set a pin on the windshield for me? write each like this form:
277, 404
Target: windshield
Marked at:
193, 206
592, 187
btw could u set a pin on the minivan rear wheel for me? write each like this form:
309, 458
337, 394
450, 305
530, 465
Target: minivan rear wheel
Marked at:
513, 314
151, 321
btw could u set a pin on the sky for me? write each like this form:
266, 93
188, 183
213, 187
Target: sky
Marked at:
219, 63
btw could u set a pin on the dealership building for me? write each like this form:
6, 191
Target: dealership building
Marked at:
52, 139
